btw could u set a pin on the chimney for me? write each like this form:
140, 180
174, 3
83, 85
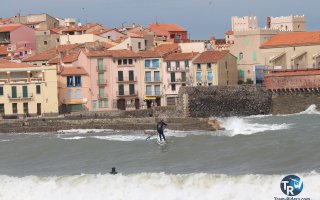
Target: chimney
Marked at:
268, 22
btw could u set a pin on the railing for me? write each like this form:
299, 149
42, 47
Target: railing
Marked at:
179, 69
126, 79
127, 93
74, 101
102, 82
20, 80
20, 96
102, 96
153, 93
150, 80
178, 80
102, 68
4, 41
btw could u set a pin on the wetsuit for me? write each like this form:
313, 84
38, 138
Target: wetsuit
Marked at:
160, 130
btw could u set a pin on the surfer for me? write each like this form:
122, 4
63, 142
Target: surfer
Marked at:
160, 129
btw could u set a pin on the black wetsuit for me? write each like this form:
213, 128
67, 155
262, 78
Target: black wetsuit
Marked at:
160, 129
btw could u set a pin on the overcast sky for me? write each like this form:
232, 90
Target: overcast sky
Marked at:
201, 18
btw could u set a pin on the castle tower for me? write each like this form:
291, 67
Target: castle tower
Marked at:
244, 23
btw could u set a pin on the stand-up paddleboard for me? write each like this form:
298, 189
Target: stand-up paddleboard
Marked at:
162, 142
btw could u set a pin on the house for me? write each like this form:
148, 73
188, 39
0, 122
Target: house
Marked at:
152, 78
26, 89
73, 89
109, 33
17, 34
131, 43
177, 68
292, 50
214, 68
37, 21
169, 32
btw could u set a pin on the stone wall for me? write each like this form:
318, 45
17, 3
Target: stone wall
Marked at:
224, 101
293, 103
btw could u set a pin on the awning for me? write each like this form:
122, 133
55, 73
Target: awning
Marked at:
297, 56
276, 57
316, 56
149, 98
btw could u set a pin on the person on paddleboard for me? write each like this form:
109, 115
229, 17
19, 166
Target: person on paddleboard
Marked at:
160, 127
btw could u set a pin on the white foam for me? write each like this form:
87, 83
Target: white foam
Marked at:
84, 131
311, 110
236, 126
155, 186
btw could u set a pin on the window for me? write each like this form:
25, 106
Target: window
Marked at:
155, 63
125, 61
38, 89
240, 56
25, 91
148, 90
121, 89
58, 40
120, 75
254, 56
1, 90
109, 37
177, 65
209, 66
139, 45
130, 61
131, 75
157, 90
101, 92
100, 63
183, 76
25, 108
156, 76
131, 89
209, 76
186, 64
103, 104
70, 93
241, 73
119, 62
69, 81
173, 77
226, 64
148, 77
14, 108
173, 87
2, 108
169, 66
198, 66
78, 81
45, 42
198, 76
14, 91
147, 63
78, 93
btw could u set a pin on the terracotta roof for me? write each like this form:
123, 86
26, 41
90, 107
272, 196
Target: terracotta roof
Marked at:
164, 29
73, 71
14, 65
81, 28
180, 56
51, 53
9, 27
166, 48
101, 31
210, 56
71, 58
57, 29
149, 54
4, 20
229, 32
54, 61
293, 72
123, 53
293, 39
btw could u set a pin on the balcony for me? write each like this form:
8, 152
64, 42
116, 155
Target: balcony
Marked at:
126, 79
178, 80
178, 69
20, 80
20, 97
150, 80
75, 101
102, 96
127, 94
5, 41
101, 69
102, 82
153, 93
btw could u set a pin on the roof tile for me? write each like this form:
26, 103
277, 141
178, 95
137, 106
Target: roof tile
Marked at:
210, 56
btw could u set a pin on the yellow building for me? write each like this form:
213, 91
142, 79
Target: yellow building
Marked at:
215, 68
26, 89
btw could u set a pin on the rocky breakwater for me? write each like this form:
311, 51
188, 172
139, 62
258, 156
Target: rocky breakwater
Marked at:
224, 101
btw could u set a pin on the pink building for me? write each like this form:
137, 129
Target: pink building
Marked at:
114, 79
18, 34
177, 73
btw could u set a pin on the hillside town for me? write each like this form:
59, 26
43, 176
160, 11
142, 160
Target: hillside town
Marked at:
51, 66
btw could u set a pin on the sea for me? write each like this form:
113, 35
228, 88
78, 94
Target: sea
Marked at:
248, 160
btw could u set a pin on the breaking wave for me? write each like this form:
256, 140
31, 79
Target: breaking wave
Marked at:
152, 186
242, 126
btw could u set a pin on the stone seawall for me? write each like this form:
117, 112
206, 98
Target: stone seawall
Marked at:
224, 101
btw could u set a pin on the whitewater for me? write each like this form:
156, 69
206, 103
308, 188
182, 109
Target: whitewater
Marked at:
246, 161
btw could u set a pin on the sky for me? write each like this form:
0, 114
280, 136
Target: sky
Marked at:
202, 18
